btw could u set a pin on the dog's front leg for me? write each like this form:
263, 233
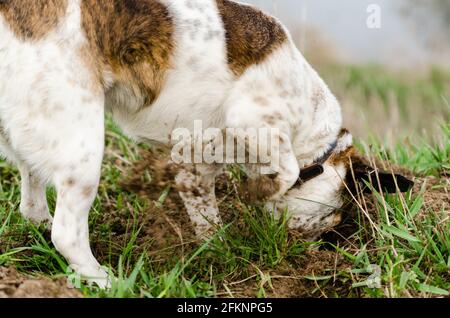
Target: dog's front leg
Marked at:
33, 202
196, 184
270, 182
75, 165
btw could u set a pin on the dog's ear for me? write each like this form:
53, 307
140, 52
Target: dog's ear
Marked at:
361, 172
389, 182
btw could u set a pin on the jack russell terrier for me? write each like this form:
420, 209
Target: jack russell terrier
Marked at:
158, 65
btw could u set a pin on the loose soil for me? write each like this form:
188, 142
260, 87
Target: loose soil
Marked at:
15, 285
167, 235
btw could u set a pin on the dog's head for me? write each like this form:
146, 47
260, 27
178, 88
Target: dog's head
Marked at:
315, 202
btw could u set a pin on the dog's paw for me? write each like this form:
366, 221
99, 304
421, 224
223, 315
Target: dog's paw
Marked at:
102, 283
37, 215
261, 189
94, 276
206, 232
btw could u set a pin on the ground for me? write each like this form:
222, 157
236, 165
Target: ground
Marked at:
388, 246
14, 285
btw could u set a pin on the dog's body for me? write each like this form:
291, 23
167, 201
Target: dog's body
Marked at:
156, 66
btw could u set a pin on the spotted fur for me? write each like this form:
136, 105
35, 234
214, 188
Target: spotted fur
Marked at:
157, 65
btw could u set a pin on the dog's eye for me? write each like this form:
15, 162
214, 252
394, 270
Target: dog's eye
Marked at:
310, 173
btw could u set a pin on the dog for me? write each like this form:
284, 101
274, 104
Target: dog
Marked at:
155, 66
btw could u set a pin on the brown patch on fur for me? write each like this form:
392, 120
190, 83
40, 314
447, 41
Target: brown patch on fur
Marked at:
350, 155
251, 35
270, 119
284, 94
32, 20
279, 82
259, 190
318, 97
262, 101
70, 182
88, 190
343, 132
133, 39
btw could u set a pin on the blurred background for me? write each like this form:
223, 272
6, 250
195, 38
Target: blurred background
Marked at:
392, 78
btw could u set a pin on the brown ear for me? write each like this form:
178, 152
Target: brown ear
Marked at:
363, 173
388, 182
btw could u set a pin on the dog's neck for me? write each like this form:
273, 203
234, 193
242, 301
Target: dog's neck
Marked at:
316, 168
331, 148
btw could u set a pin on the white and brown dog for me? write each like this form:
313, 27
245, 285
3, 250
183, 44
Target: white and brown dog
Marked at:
157, 65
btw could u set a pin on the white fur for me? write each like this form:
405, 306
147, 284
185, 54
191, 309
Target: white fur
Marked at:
196, 85
52, 122
53, 127
311, 207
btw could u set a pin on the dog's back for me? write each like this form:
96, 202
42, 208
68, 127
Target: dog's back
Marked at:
149, 55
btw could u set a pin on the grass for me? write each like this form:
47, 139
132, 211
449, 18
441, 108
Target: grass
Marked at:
391, 104
420, 157
399, 245
412, 252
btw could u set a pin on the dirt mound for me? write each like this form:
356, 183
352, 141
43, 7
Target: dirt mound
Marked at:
436, 195
164, 228
168, 222
165, 222
166, 234
15, 285
300, 278
168, 228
